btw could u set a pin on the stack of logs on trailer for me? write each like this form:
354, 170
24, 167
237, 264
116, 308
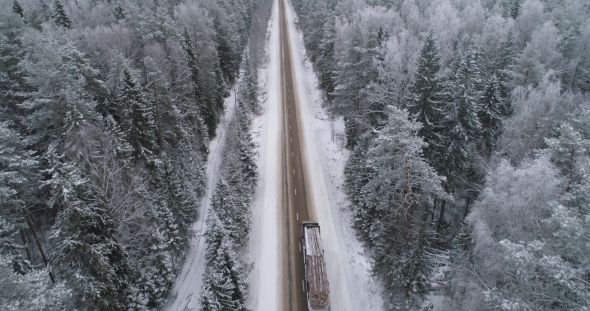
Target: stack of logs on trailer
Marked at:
315, 266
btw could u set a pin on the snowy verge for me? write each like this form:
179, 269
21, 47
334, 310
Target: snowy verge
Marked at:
189, 283
351, 284
263, 243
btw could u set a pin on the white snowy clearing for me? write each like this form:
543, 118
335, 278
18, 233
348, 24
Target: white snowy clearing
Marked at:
351, 284
189, 283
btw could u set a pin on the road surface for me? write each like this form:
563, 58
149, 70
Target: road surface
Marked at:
295, 204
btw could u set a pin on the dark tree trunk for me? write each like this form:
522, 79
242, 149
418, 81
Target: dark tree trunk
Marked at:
441, 215
45, 260
467, 207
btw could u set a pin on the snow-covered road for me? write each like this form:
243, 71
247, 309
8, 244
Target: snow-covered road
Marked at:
351, 285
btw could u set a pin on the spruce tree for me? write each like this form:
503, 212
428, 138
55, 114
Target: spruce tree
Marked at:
60, 16
30, 291
206, 109
225, 285
247, 152
426, 100
18, 181
156, 273
84, 237
402, 192
138, 120
490, 115
504, 65
235, 214
325, 61
229, 59
165, 207
357, 174
466, 84
18, 9
169, 131
119, 12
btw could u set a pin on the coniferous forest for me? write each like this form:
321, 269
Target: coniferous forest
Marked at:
106, 113
467, 125
468, 129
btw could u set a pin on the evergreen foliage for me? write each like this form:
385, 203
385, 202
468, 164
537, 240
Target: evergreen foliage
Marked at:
18, 9
60, 16
501, 97
84, 237
207, 112
490, 115
427, 94
137, 117
104, 131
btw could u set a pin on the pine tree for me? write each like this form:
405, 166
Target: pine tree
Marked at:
60, 15
138, 120
490, 116
84, 237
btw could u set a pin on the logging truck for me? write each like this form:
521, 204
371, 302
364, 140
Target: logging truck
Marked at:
316, 279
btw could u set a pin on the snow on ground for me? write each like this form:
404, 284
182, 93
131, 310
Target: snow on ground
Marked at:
351, 284
185, 293
263, 247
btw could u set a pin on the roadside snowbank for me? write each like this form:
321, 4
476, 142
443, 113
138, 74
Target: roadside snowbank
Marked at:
263, 248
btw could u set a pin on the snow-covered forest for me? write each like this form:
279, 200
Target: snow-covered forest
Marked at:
468, 127
106, 112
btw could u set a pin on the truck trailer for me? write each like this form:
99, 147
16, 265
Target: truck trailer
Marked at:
316, 279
